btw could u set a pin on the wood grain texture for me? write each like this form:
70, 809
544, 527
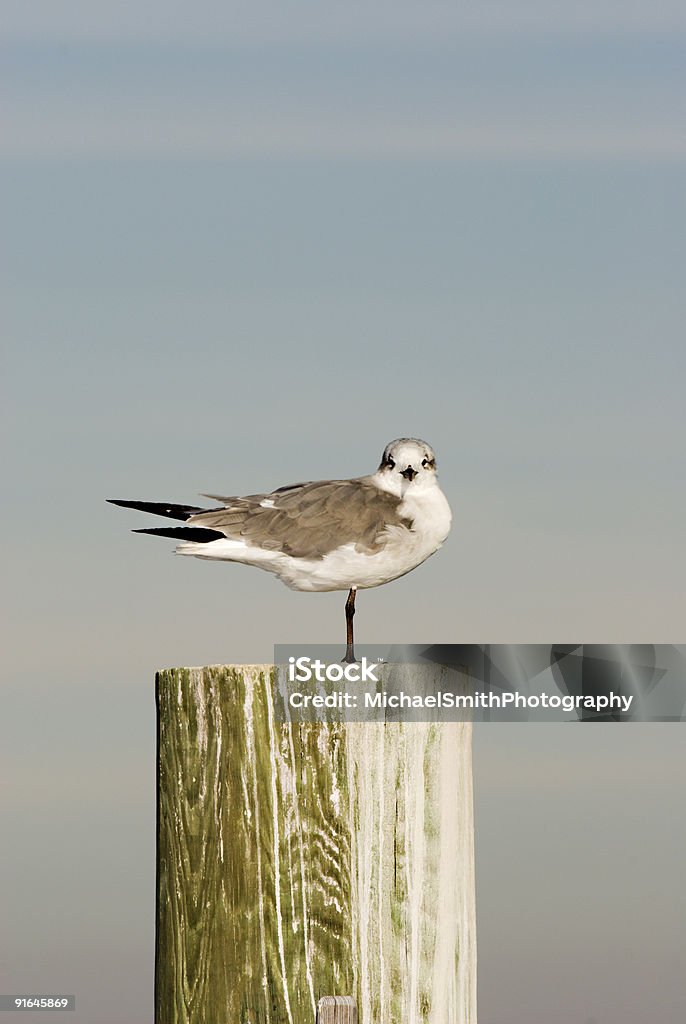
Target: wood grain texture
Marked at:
337, 1010
297, 861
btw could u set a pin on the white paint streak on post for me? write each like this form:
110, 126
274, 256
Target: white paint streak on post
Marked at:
276, 851
250, 682
456, 925
382, 881
414, 912
303, 884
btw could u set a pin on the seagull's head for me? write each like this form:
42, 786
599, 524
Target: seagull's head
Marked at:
407, 463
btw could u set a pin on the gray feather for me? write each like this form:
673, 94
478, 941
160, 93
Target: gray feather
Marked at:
309, 520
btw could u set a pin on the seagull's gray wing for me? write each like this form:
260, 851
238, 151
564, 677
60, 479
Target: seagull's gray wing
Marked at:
308, 520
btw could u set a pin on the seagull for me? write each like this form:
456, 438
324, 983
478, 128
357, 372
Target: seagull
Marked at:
327, 534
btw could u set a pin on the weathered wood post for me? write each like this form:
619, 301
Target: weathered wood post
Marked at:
298, 861
337, 1010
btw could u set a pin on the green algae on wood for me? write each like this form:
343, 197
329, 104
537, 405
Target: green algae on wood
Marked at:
297, 861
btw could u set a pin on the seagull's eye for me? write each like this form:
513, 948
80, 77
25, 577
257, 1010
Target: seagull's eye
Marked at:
390, 462
425, 463
428, 462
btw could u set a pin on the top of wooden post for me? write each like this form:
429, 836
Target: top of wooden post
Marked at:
337, 1010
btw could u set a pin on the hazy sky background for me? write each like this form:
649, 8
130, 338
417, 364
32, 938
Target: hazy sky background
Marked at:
247, 244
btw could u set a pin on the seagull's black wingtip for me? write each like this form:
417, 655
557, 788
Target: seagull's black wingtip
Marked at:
165, 509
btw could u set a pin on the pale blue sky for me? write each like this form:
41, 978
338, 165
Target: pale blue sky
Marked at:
249, 244
401, 81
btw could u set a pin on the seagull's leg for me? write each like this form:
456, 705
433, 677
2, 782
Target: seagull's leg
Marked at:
349, 613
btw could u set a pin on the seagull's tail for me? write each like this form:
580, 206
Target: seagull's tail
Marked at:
187, 533
195, 534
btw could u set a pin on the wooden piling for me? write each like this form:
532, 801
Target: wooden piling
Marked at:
337, 1010
299, 863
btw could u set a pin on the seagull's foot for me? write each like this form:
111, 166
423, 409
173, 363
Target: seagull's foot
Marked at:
349, 658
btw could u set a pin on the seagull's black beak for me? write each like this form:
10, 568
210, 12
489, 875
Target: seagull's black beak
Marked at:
409, 473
